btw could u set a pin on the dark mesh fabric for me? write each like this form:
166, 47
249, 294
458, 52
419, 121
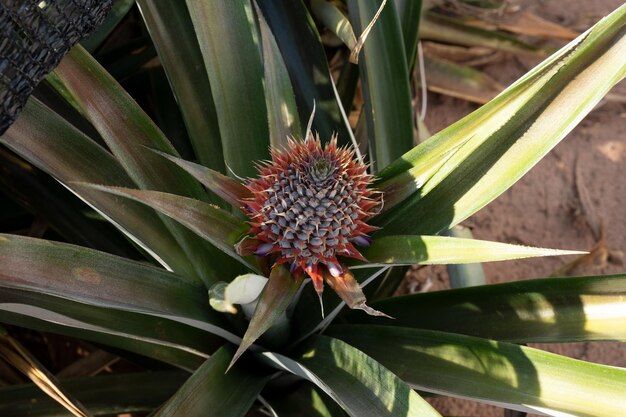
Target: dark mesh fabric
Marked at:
34, 36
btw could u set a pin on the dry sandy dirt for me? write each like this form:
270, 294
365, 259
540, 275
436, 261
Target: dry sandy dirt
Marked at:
576, 187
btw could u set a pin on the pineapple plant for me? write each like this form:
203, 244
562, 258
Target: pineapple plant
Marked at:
210, 282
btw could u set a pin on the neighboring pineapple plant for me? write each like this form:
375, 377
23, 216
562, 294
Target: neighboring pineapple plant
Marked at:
202, 281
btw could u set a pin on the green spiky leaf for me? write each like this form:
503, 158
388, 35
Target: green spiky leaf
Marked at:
517, 377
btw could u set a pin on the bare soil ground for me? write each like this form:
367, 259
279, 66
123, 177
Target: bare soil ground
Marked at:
579, 186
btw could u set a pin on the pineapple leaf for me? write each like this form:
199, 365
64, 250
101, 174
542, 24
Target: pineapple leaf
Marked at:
434, 250
335, 20
305, 59
151, 336
103, 395
409, 12
397, 188
494, 146
49, 142
359, 384
466, 275
75, 272
123, 125
454, 80
91, 277
284, 121
385, 78
117, 117
64, 212
549, 310
227, 39
445, 29
513, 376
306, 401
213, 391
173, 35
306, 324
229, 189
210, 222
278, 293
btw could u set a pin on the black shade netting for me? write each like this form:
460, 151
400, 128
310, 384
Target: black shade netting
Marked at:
34, 37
